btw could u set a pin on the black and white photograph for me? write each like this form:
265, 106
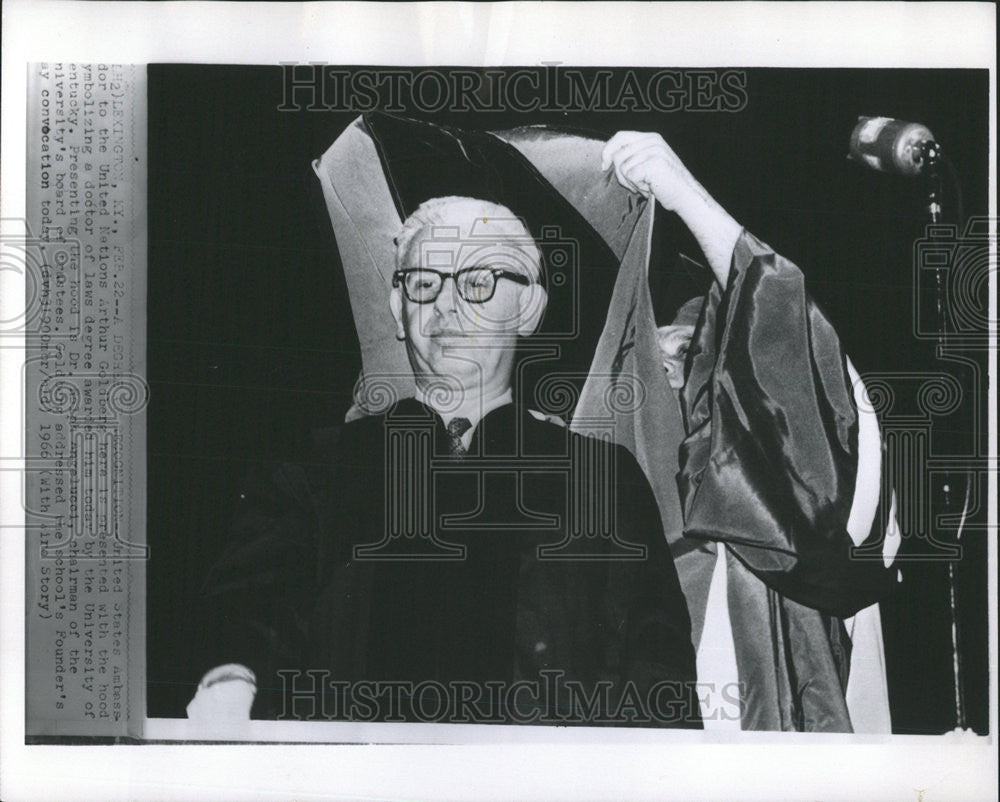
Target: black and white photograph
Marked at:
553, 404
748, 548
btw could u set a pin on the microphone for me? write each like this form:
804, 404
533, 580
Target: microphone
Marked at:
893, 146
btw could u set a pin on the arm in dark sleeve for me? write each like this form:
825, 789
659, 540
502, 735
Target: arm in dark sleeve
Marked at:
258, 596
770, 460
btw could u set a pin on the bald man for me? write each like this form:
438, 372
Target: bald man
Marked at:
458, 558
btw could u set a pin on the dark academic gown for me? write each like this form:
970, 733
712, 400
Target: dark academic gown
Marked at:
768, 468
761, 455
537, 558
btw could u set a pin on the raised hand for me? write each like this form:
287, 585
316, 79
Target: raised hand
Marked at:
646, 164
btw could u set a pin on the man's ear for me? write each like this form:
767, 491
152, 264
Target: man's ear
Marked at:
396, 307
531, 302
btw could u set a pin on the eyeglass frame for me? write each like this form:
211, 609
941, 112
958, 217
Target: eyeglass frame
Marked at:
399, 278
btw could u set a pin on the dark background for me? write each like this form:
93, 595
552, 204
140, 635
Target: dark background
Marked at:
251, 339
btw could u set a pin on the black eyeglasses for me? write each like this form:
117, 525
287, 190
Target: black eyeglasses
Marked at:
476, 285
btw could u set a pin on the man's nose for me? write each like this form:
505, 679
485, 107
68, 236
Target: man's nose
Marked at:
446, 301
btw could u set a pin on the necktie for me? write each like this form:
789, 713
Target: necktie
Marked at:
456, 428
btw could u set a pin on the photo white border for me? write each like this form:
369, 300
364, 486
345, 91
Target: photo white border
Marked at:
766, 766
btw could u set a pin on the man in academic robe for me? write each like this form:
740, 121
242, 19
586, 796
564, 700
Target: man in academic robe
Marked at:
458, 557
787, 545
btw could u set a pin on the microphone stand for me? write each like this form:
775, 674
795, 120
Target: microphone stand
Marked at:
932, 159
931, 153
